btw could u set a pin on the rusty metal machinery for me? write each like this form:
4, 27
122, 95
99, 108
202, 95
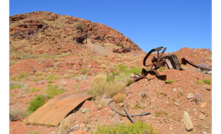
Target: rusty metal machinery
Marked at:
171, 61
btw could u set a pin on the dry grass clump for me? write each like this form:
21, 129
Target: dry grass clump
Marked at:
67, 76
112, 88
99, 61
98, 85
119, 97
64, 127
101, 85
17, 114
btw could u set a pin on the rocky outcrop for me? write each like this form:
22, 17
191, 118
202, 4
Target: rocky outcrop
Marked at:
57, 33
28, 28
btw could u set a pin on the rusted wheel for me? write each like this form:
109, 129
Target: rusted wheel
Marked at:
155, 61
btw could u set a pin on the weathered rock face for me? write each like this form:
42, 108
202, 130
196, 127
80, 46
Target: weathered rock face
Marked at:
17, 17
28, 28
58, 33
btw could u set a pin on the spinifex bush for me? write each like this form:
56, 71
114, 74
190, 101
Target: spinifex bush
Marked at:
207, 81
36, 103
119, 97
84, 70
161, 69
51, 91
14, 85
35, 89
122, 67
79, 26
199, 82
23, 75
102, 84
133, 128
170, 81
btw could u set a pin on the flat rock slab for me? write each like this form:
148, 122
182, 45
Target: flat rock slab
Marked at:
56, 109
187, 121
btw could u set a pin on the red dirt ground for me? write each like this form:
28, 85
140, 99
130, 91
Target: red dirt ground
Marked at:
161, 96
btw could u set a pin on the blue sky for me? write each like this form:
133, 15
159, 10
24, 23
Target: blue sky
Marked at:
148, 23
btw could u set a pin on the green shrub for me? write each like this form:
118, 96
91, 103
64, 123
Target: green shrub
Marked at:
164, 94
51, 81
53, 77
34, 79
133, 128
35, 89
212, 75
22, 75
207, 81
110, 78
158, 113
170, 81
115, 73
36, 103
84, 70
199, 82
75, 75
137, 71
12, 95
79, 26
161, 69
51, 91
33, 132
122, 67
14, 85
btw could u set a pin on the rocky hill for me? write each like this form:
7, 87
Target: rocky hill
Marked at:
46, 32
45, 61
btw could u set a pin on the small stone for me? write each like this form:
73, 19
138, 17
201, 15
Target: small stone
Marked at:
205, 133
106, 109
190, 96
196, 113
166, 120
194, 109
13, 129
152, 107
120, 104
197, 77
98, 111
171, 128
203, 104
52, 132
29, 125
153, 99
176, 103
174, 89
209, 87
202, 116
187, 121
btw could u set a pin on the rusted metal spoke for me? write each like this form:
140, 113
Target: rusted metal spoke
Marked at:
184, 61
